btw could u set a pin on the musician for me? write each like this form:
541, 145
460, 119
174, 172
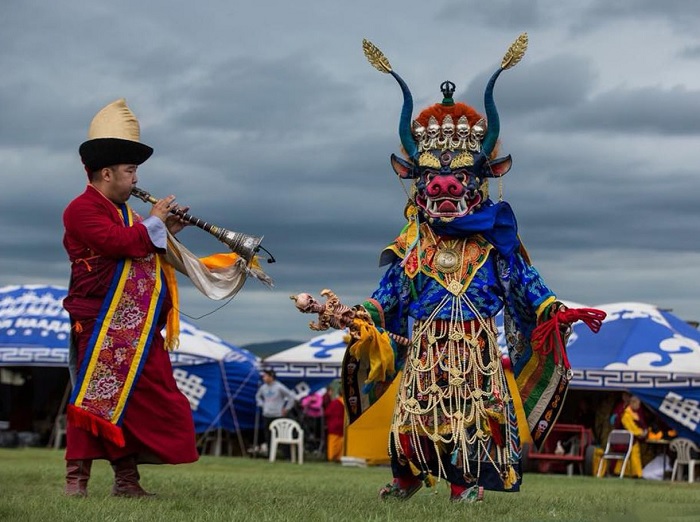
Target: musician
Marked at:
125, 407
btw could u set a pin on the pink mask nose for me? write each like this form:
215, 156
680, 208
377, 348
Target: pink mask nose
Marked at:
446, 187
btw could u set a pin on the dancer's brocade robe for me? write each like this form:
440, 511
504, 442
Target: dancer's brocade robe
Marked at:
455, 415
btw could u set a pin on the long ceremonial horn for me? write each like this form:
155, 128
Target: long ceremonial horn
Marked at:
242, 244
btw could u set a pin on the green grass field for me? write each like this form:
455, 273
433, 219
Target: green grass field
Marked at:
243, 489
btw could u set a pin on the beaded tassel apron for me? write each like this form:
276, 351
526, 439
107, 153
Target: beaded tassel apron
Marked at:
119, 345
454, 391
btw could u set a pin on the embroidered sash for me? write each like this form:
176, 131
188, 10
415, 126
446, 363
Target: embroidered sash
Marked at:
119, 345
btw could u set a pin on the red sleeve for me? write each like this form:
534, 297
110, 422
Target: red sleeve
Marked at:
93, 223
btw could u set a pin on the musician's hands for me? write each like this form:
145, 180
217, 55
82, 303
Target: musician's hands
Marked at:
175, 223
161, 208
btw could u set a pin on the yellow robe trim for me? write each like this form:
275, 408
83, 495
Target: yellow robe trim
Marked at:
129, 383
101, 335
172, 325
537, 358
543, 306
525, 436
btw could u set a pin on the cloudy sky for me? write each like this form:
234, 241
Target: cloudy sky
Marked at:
266, 119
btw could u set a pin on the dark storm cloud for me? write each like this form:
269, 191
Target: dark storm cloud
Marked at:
499, 14
690, 52
267, 120
277, 98
60, 66
646, 110
560, 82
679, 13
601, 200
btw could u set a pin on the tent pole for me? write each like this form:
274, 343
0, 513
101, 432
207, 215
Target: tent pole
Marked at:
241, 442
234, 417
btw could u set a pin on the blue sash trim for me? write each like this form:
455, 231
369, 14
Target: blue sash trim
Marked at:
99, 321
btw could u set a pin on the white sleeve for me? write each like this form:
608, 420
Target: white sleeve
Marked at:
157, 231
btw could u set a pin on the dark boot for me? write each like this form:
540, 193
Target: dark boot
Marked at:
77, 476
126, 479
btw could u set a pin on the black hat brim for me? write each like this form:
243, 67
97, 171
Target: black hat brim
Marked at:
105, 152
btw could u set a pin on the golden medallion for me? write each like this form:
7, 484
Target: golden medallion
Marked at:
448, 260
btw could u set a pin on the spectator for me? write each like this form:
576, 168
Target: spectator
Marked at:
335, 427
619, 409
312, 421
633, 421
276, 400
328, 396
312, 405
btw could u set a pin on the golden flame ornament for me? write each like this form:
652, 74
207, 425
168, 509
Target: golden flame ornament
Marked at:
515, 52
375, 57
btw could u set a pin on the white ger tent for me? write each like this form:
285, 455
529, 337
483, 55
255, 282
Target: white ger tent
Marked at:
312, 365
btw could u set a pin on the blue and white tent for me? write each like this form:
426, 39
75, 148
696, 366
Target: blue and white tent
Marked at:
219, 379
34, 327
312, 365
647, 351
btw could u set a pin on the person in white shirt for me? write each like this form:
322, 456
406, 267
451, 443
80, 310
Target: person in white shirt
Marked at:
275, 399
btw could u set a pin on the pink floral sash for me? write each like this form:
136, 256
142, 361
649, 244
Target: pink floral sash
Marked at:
119, 346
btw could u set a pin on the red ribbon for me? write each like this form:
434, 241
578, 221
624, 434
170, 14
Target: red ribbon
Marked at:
546, 338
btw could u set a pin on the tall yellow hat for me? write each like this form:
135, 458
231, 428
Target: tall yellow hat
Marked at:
114, 138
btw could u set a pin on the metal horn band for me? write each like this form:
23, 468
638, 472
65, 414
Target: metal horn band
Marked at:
244, 245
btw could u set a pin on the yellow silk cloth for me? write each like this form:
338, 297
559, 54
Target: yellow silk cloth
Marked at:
375, 346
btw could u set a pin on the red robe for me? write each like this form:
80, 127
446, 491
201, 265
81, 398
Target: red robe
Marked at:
158, 425
335, 417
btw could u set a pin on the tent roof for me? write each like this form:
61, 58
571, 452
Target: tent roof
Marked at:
199, 346
328, 348
315, 362
637, 342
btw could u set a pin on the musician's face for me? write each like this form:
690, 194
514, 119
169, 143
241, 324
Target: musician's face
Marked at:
120, 180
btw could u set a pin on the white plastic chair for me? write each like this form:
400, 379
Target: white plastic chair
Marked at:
287, 431
682, 448
617, 440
